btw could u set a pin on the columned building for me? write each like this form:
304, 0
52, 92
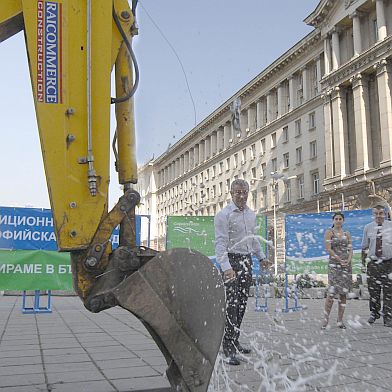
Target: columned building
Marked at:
319, 117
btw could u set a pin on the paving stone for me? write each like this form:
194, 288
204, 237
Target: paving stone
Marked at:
153, 384
88, 386
27, 379
26, 388
139, 371
74, 376
74, 358
21, 361
121, 363
14, 370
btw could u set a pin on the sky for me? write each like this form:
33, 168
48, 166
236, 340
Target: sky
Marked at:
220, 45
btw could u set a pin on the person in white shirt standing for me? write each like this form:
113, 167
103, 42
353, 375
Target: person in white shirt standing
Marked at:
377, 260
235, 242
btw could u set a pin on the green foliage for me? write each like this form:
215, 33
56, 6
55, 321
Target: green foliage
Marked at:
306, 282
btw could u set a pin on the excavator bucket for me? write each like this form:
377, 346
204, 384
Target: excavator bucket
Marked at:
179, 298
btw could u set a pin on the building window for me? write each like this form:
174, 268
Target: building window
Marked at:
375, 29
220, 188
298, 130
313, 149
264, 198
312, 121
253, 151
273, 140
227, 164
316, 183
235, 160
213, 192
315, 79
262, 143
207, 177
301, 187
298, 155
227, 186
287, 192
263, 170
300, 93
286, 160
253, 172
244, 175
254, 199
220, 167
213, 171
243, 160
285, 134
274, 163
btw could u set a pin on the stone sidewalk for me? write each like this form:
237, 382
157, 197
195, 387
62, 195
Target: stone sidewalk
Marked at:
74, 350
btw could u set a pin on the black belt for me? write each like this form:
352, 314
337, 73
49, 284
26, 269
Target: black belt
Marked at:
379, 259
240, 254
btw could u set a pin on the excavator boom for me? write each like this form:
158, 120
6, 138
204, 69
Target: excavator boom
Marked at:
72, 47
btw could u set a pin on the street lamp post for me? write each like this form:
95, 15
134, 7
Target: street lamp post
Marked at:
275, 176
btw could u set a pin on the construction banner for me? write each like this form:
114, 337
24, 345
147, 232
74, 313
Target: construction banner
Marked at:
305, 247
198, 233
35, 270
28, 251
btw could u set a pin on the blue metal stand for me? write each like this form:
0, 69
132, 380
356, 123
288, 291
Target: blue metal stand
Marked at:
296, 307
261, 307
37, 308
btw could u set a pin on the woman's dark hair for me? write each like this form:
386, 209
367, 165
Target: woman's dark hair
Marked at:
337, 214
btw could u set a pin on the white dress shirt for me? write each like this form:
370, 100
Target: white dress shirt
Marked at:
235, 232
370, 235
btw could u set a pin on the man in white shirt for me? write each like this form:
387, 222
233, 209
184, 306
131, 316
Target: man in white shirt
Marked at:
235, 242
377, 253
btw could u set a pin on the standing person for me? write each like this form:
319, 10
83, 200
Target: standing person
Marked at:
377, 252
338, 244
235, 227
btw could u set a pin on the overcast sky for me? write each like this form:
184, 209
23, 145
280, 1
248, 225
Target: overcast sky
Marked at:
222, 45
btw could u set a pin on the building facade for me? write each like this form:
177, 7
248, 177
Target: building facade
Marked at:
315, 129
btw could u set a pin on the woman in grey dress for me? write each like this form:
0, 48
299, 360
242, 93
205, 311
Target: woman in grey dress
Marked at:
338, 244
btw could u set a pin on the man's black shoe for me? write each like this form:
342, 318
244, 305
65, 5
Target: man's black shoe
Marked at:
388, 323
373, 318
232, 360
243, 350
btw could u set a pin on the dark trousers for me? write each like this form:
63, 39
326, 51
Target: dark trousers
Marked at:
237, 293
379, 277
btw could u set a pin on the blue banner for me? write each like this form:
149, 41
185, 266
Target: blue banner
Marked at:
32, 229
305, 248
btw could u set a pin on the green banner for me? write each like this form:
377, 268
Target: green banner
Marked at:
35, 270
198, 232
320, 266
195, 232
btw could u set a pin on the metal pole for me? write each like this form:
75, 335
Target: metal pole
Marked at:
275, 234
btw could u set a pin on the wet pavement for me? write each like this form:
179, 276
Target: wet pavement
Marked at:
72, 349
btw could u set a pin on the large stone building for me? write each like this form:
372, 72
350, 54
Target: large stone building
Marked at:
319, 117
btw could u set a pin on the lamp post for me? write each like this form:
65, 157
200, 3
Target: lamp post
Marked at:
275, 176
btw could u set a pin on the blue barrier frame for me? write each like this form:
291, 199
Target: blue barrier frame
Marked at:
287, 308
37, 308
263, 307
260, 307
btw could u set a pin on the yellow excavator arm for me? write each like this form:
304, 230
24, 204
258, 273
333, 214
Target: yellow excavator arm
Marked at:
72, 47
